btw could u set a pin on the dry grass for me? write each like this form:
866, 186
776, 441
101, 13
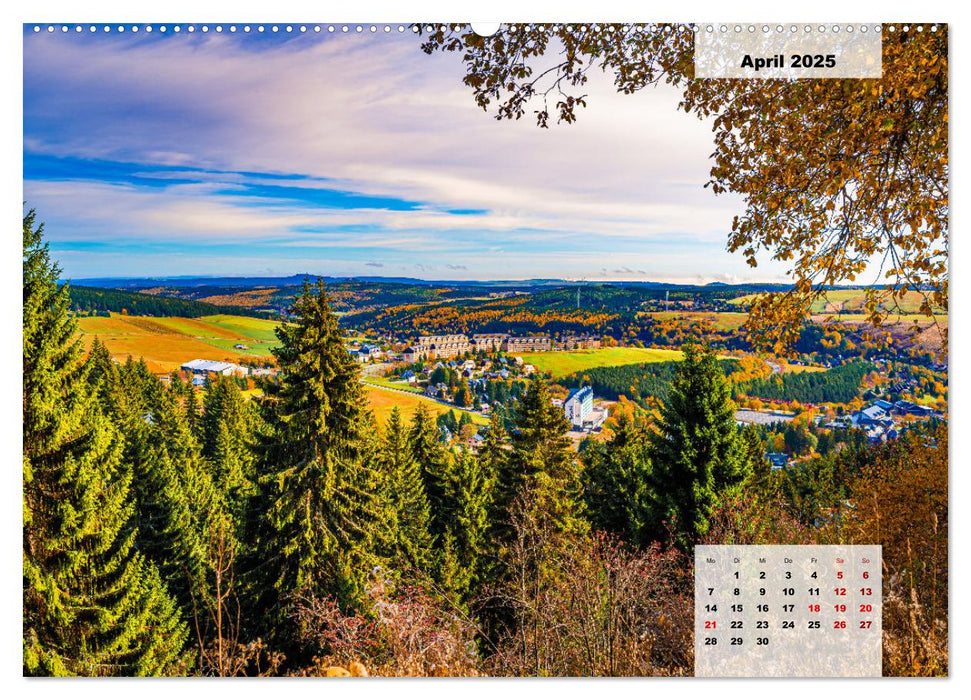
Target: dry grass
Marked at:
383, 400
167, 342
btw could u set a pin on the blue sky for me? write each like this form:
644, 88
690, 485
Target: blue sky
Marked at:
210, 154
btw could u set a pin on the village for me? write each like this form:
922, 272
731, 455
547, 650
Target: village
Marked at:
464, 373
473, 375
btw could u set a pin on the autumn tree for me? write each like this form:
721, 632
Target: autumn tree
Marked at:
900, 500
842, 179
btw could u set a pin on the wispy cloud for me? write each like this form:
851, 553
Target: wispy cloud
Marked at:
350, 148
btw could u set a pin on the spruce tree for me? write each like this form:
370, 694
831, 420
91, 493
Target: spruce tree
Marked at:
494, 453
433, 460
174, 496
192, 410
696, 452
616, 482
321, 513
543, 462
536, 515
414, 542
100, 367
226, 429
92, 604
755, 455
466, 524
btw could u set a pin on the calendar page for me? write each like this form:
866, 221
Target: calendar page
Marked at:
359, 347
788, 610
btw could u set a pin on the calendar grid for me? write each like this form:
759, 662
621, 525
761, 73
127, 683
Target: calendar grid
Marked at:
788, 610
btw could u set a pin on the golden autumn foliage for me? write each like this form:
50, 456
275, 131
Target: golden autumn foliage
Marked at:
900, 502
433, 318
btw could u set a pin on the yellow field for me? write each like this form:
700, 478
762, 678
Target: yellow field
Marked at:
166, 343
383, 400
560, 364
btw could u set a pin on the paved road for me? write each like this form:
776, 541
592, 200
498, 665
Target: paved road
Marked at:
367, 369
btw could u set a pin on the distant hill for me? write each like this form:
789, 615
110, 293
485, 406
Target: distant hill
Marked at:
296, 280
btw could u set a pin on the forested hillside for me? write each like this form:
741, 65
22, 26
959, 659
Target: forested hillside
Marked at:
636, 382
838, 385
101, 301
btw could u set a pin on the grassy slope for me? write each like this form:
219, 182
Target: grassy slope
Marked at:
165, 343
382, 401
560, 364
401, 386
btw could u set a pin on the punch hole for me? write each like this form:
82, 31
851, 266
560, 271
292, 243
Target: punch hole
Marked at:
485, 29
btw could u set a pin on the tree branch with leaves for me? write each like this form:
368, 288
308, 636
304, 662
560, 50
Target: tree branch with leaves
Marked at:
840, 178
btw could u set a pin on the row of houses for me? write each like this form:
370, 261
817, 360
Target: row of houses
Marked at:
880, 419
429, 347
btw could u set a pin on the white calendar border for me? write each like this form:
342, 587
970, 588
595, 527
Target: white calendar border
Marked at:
17, 13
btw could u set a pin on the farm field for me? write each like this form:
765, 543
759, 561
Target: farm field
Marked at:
846, 301
560, 364
722, 321
167, 342
383, 400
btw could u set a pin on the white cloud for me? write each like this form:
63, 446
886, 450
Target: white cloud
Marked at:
372, 115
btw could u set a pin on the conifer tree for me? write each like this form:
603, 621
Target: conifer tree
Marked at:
377, 480
433, 461
494, 454
226, 429
696, 452
449, 573
536, 514
192, 410
755, 454
174, 496
543, 462
92, 604
321, 513
466, 523
414, 542
616, 482
100, 366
